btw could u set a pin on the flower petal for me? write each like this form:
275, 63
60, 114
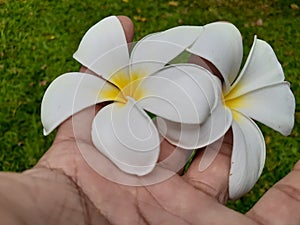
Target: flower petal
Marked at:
103, 49
248, 156
127, 136
184, 93
193, 136
273, 105
221, 44
261, 69
70, 93
155, 50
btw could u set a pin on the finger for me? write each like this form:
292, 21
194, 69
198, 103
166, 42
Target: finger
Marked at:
128, 27
79, 125
281, 204
214, 179
181, 156
185, 203
194, 59
216, 157
173, 158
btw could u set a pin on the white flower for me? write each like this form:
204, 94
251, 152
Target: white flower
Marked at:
259, 92
138, 83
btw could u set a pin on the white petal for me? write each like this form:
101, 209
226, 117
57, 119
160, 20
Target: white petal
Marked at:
193, 136
68, 94
103, 49
127, 136
248, 156
221, 44
261, 69
273, 105
183, 93
154, 51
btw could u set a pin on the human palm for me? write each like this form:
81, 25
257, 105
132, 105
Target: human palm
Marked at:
176, 200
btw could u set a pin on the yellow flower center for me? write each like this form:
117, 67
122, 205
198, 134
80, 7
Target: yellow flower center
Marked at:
232, 102
126, 86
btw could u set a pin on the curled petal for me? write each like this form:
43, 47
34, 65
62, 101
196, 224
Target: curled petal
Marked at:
127, 136
262, 68
69, 94
103, 49
184, 93
221, 44
248, 156
272, 105
155, 50
193, 136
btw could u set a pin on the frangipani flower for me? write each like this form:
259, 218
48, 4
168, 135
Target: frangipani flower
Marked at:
137, 83
259, 92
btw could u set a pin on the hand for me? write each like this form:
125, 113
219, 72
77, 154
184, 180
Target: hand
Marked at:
194, 198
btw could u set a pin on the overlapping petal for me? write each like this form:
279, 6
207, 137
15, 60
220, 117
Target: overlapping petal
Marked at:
103, 49
272, 105
221, 44
183, 93
69, 94
193, 136
248, 156
155, 50
262, 68
127, 136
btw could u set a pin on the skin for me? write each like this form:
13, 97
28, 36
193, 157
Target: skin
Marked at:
63, 189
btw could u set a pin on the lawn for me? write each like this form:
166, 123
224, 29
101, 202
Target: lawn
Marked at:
38, 38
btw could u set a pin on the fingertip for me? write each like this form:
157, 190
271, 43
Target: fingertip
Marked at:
128, 27
194, 59
172, 157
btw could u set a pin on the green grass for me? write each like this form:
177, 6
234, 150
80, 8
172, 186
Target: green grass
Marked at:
38, 39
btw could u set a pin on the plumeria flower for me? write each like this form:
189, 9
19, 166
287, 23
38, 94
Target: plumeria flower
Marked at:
259, 92
136, 85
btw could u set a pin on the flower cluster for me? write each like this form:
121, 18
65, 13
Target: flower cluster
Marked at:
193, 108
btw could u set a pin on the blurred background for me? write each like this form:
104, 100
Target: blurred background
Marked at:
38, 38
